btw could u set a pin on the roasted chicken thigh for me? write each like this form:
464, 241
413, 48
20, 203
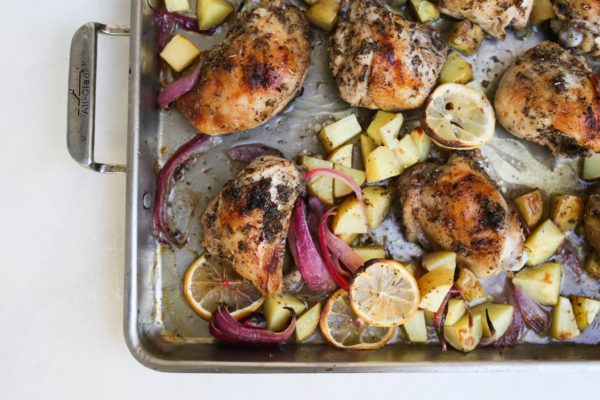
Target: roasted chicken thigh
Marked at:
457, 207
247, 223
552, 98
591, 220
577, 23
382, 61
253, 73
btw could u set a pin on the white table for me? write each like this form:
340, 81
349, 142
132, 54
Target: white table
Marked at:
62, 235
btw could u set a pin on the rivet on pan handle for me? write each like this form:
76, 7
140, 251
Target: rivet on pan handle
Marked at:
82, 95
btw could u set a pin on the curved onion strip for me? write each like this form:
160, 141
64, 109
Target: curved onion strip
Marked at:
166, 23
166, 177
515, 330
342, 177
248, 152
533, 315
337, 277
342, 251
174, 90
226, 329
568, 255
308, 260
438, 320
339, 268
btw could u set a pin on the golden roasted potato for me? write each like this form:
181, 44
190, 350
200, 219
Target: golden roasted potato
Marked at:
307, 323
592, 265
406, 151
591, 220
542, 11
389, 131
340, 189
469, 285
324, 14
381, 118
530, 206
541, 283
275, 313
381, 164
466, 37
212, 13
367, 145
179, 53
369, 252
349, 238
342, 155
564, 325
585, 311
463, 336
320, 186
456, 70
378, 200
425, 10
422, 142
415, 328
340, 132
177, 5
349, 218
439, 259
543, 242
501, 316
591, 167
456, 309
567, 211
434, 286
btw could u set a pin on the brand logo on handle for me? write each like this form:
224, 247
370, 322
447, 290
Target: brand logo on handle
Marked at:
82, 93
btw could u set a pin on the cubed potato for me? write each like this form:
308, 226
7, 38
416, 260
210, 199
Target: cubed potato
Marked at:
320, 186
501, 316
342, 155
439, 259
212, 13
456, 309
429, 315
469, 285
422, 142
340, 132
411, 267
369, 252
591, 167
415, 328
382, 164
425, 10
324, 14
349, 238
543, 242
389, 132
463, 337
378, 200
381, 118
592, 265
466, 37
585, 311
541, 283
456, 70
275, 312
307, 323
567, 211
177, 5
564, 325
530, 206
340, 189
179, 53
541, 11
367, 145
434, 286
406, 151
349, 218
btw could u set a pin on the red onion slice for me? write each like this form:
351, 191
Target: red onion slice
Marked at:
179, 87
248, 152
226, 329
533, 315
166, 23
308, 260
342, 251
568, 256
167, 175
337, 277
342, 177
439, 317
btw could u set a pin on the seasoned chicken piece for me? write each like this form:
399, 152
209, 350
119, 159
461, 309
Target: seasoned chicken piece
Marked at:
247, 223
552, 98
254, 73
591, 219
577, 23
382, 61
457, 207
493, 16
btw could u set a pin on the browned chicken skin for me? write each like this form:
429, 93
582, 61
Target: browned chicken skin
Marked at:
591, 220
382, 61
457, 207
254, 73
552, 98
247, 223
577, 23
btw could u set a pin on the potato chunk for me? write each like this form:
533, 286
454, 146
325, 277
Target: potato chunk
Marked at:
177, 5
591, 167
585, 311
415, 328
469, 285
179, 53
501, 316
425, 10
564, 325
422, 142
212, 13
340, 132
567, 211
543, 242
342, 155
320, 186
434, 286
456, 309
542, 283
381, 118
463, 337
324, 14
592, 265
275, 312
378, 200
406, 151
439, 259
340, 189
369, 252
466, 37
382, 164
530, 206
307, 323
349, 218
456, 70
541, 11
348, 238
367, 145
389, 132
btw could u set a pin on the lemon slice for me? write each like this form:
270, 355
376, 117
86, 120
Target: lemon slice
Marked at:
384, 294
211, 281
344, 329
458, 117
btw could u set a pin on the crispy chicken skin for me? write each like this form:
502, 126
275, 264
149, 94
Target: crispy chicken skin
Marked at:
457, 207
254, 73
381, 61
552, 98
591, 219
577, 23
493, 16
247, 223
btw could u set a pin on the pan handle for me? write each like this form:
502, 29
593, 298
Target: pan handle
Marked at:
82, 95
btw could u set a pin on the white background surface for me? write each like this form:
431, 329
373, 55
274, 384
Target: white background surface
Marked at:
62, 238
